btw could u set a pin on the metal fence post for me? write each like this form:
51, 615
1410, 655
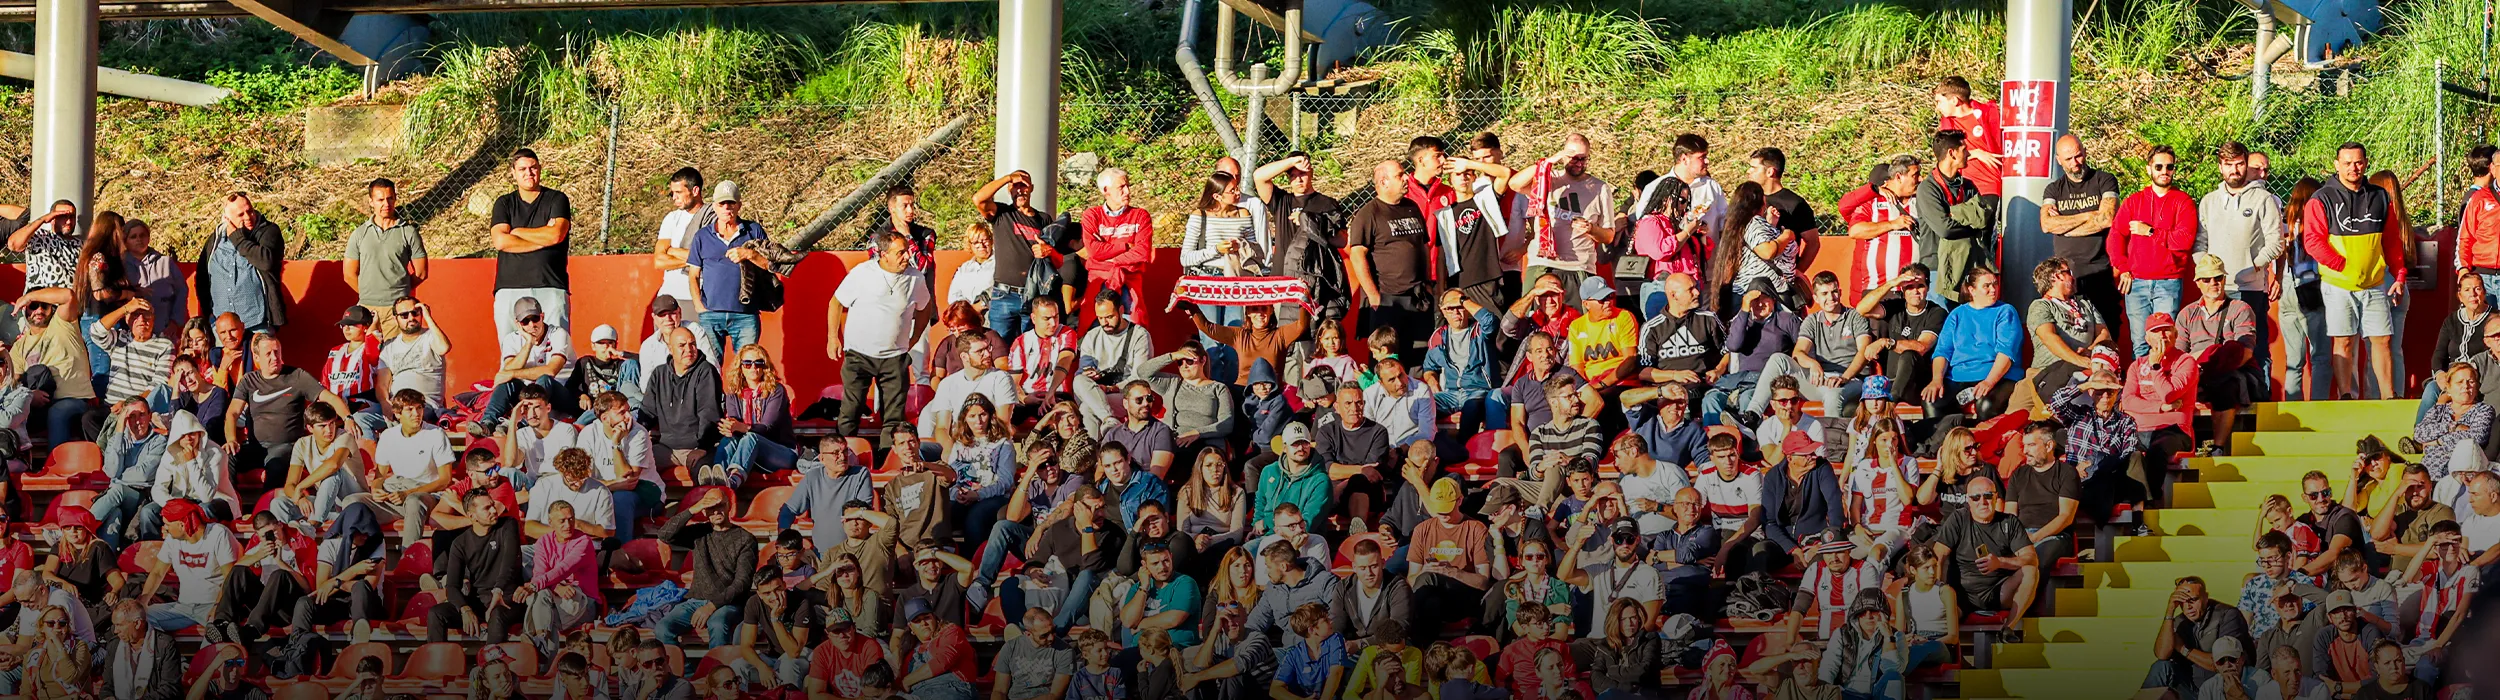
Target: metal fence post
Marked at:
2439, 134
607, 184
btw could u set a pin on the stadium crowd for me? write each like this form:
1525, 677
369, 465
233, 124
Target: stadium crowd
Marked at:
1502, 430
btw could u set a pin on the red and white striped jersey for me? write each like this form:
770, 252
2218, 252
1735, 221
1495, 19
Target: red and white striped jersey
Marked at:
1881, 257
1032, 354
1834, 588
349, 371
1884, 507
1729, 501
2443, 593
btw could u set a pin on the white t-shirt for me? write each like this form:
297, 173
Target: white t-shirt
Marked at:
674, 228
2481, 532
539, 453
200, 566
1730, 502
1637, 583
591, 505
881, 306
557, 342
30, 619
420, 457
1660, 486
948, 399
972, 279
637, 449
417, 365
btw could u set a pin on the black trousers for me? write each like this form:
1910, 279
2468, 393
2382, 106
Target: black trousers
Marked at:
1411, 314
359, 601
1441, 602
891, 375
255, 603
445, 617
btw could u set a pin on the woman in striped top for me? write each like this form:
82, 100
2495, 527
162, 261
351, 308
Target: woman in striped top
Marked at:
1227, 236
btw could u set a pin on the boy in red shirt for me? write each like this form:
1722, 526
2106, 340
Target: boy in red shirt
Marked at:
1956, 111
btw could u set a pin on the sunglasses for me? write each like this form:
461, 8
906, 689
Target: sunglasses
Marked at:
528, 320
408, 314
753, 363
2321, 494
1982, 497
2164, 167
1188, 360
1790, 399
56, 623
1454, 307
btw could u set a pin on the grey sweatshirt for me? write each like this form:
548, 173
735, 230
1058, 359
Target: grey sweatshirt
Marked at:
1200, 407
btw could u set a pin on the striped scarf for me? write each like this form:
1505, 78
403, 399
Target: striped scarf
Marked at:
1244, 291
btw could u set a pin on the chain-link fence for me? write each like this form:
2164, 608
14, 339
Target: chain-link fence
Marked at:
452, 157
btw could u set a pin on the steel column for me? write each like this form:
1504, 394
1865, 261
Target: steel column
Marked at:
1028, 95
64, 136
2039, 36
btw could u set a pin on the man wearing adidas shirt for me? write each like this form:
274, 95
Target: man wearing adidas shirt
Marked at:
1682, 344
1879, 219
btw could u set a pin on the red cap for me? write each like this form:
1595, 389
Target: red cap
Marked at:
2159, 322
1801, 441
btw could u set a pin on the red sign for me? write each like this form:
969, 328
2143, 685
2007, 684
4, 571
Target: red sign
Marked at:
2027, 152
2027, 104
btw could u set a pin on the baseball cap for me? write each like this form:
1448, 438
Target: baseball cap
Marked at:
2209, 266
603, 334
2339, 600
1501, 495
356, 316
916, 607
838, 618
1595, 288
725, 191
526, 307
2228, 647
1444, 497
663, 304
1296, 433
1878, 388
2159, 322
2467, 457
1801, 441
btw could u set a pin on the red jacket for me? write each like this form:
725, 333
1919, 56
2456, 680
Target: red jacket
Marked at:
2478, 236
2163, 255
1117, 245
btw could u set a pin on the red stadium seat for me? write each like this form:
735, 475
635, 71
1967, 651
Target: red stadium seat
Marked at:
763, 513
70, 465
437, 661
135, 559
653, 555
417, 560
346, 665
303, 690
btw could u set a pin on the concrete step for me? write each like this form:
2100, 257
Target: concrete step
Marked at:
2262, 468
2392, 414
2192, 548
2338, 442
2203, 521
2251, 495
2077, 684
2092, 630
2090, 602
2162, 575
2064, 655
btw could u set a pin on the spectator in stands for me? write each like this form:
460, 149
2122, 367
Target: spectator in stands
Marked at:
1021, 250
2242, 223
607, 368
2340, 528
827, 482
50, 244
273, 395
848, 664
197, 552
154, 276
1165, 599
779, 627
1044, 358
413, 356
239, 267
1904, 320
1761, 330
1525, 395
531, 441
1952, 216
231, 358
2335, 652
939, 578
1879, 217
327, 468
1401, 404
1545, 308
480, 569
1976, 354
2401, 528
1537, 655
1678, 345
1755, 247
571, 480
2078, 209
718, 251
54, 358
562, 593
537, 354
1313, 663
2151, 256
1624, 573
1996, 565
2462, 418
193, 470
1829, 354
941, 664
1730, 490
1119, 241
415, 462
902, 218
723, 567
984, 462
1809, 494
133, 449
1118, 475
1201, 410
1033, 665
2193, 630
1371, 601
143, 359
2222, 334
267, 579
1573, 212
2045, 493
755, 422
186, 388
979, 375
225, 677
2064, 330
1605, 337
532, 231
2361, 264
139, 661
2463, 337
878, 311
1388, 258
386, 257
666, 317
684, 397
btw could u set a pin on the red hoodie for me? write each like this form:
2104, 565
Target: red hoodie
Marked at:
1117, 245
2162, 255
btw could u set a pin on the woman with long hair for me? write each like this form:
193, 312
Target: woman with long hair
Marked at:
1622, 663
1213, 509
153, 275
1236, 588
844, 589
1226, 237
755, 421
55, 663
984, 461
2387, 360
1957, 460
1533, 584
102, 278
2300, 312
1753, 247
83, 563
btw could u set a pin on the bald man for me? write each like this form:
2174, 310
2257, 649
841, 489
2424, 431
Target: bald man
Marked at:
684, 401
2077, 211
1388, 260
1680, 345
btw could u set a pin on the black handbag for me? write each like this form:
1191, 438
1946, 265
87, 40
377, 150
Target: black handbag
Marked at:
760, 287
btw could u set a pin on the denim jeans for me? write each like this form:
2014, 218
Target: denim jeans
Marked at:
175, 617
499, 403
737, 329
722, 628
325, 501
63, 419
2304, 343
629, 506
113, 511
749, 453
1723, 396
1006, 536
1081, 584
1007, 313
2145, 298
1223, 363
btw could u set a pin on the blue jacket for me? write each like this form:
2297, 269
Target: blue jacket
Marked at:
1824, 509
1267, 416
1973, 338
1477, 377
132, 463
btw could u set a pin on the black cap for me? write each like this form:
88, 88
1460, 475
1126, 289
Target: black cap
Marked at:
356, 316
663, 304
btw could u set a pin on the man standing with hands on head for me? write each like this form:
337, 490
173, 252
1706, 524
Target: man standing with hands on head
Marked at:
2078, 209
1016, 234
532, 232
386, 257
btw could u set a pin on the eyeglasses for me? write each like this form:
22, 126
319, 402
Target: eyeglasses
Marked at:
408, 314
56, 623
754, 363
1532, 557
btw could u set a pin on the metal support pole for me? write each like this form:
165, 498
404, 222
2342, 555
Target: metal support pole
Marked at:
607, 185
1255, 123
64, 135
2039, 36
2261, 75
2439, 134
1028, 95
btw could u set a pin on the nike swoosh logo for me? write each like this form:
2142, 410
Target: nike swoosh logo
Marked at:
264, 398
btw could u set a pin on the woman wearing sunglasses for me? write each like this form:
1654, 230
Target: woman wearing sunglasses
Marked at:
755, 421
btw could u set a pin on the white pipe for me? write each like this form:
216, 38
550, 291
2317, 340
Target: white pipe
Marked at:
125, 83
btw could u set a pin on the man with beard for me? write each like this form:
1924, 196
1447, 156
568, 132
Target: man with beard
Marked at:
1016, 236
2193, 628
1574, 213
2077, 210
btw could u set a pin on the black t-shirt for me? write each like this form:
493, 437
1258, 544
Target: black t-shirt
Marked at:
544, 267
1397, 238
2067, 197
1688, 343
1479, 243
1060, 539
1796, 216
1899, 324
2416, 690
276, 405
1970, 539
945, 596
2339, 520
803, 618
1324, 211
1012, 235
2035, 492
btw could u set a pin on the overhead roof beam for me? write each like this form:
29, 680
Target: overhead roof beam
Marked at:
295, 22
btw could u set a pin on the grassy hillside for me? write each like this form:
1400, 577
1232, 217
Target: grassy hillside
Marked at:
801, 104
